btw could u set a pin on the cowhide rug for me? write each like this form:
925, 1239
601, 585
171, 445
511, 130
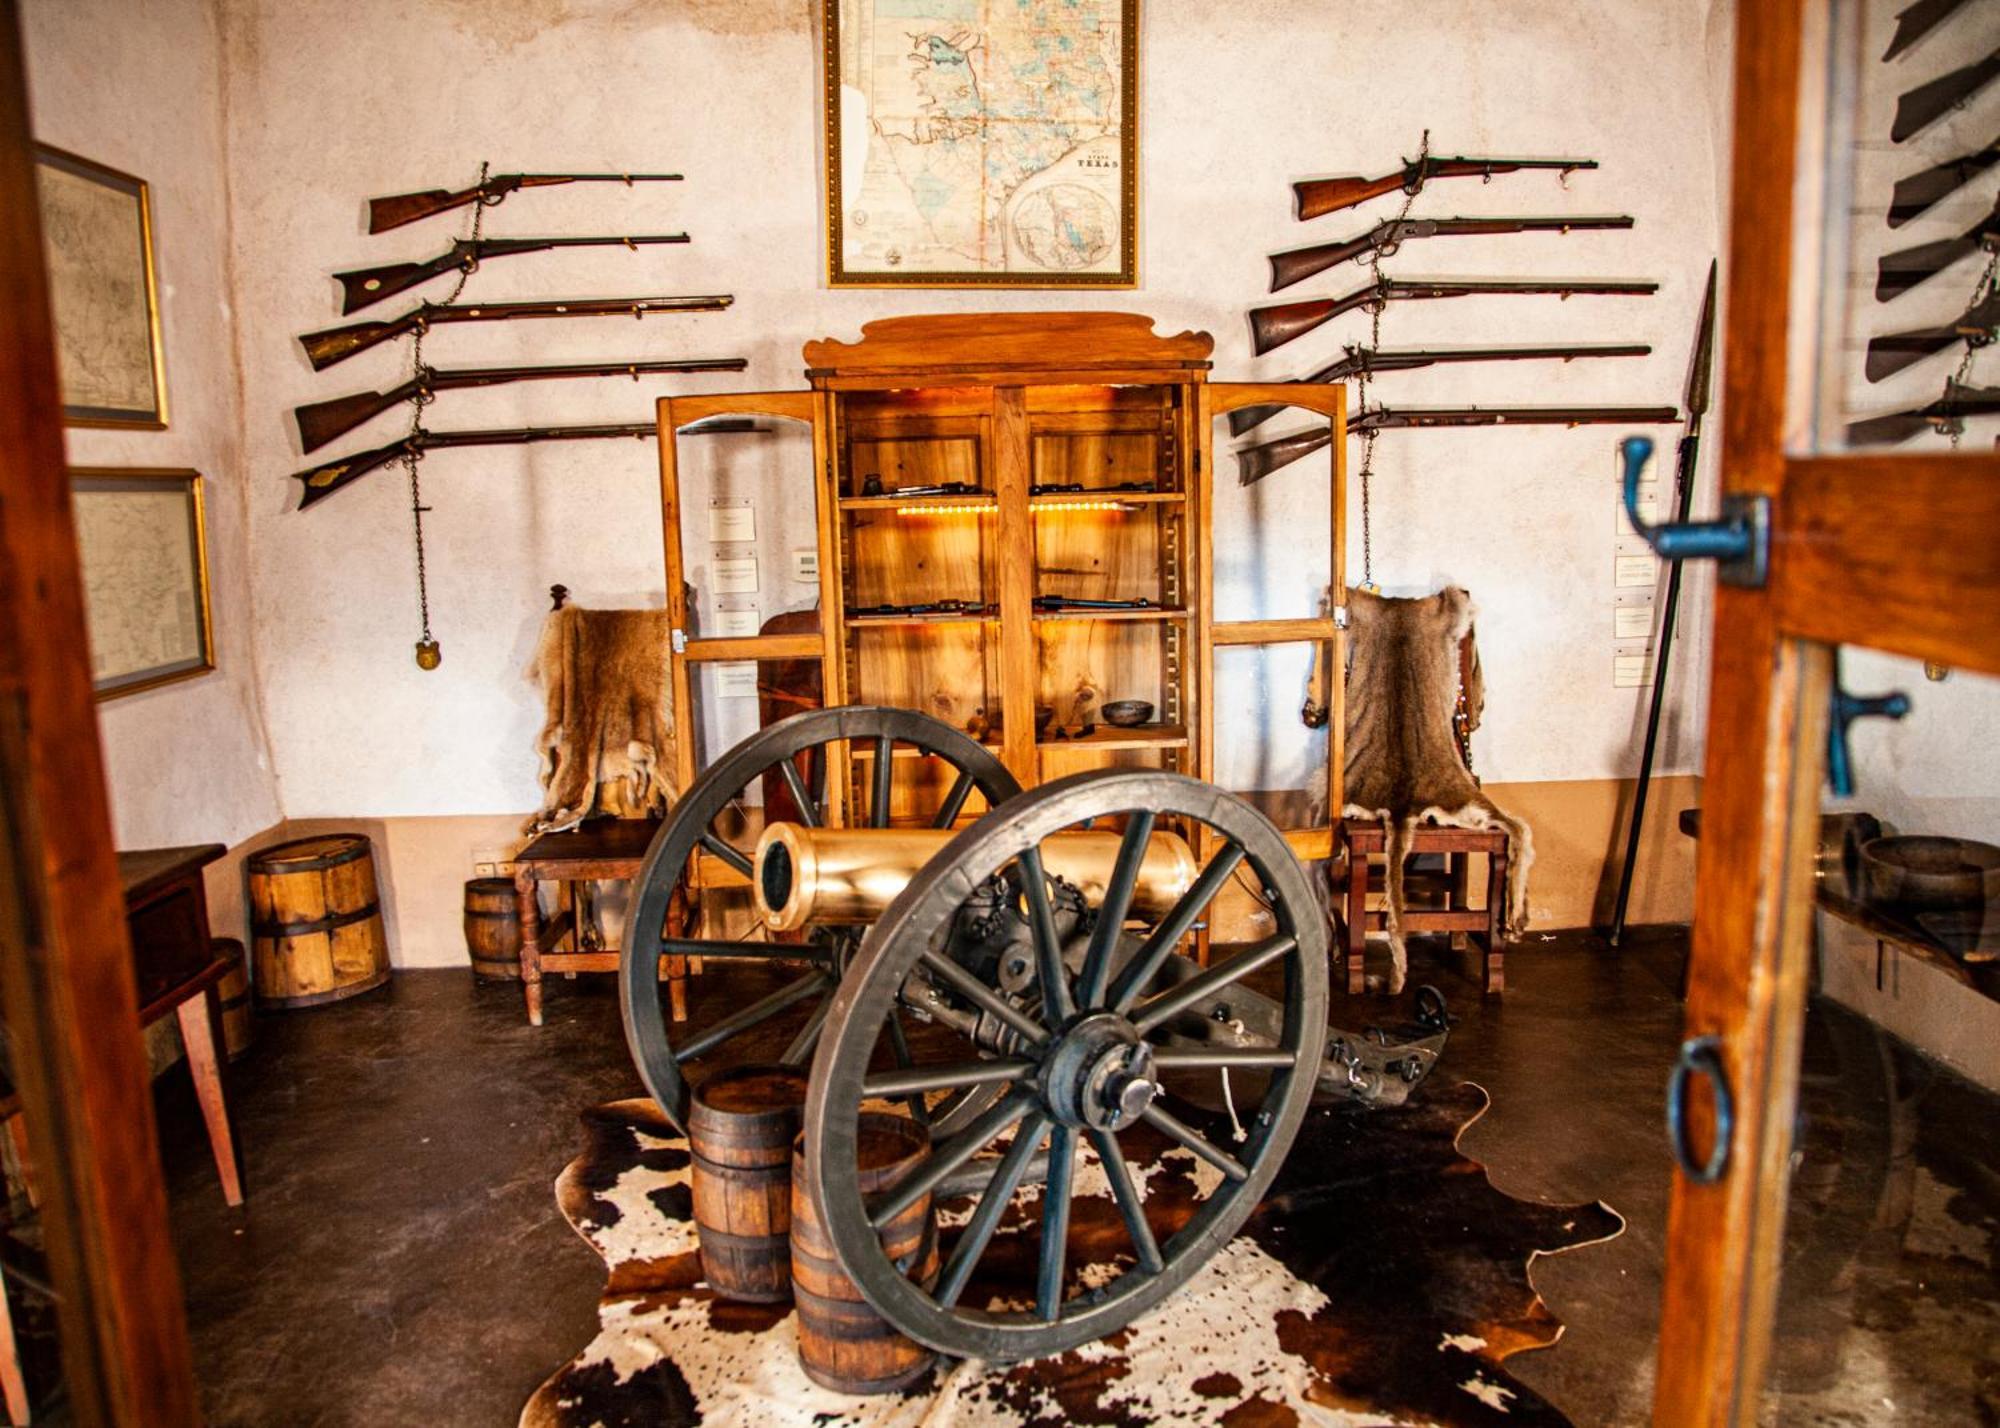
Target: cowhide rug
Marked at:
1382, 1281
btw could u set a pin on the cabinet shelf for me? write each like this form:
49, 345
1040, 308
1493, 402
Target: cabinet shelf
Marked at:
968, 617
1157, 613
1112, 736
971, 503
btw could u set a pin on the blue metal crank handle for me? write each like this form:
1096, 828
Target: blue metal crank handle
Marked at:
1844, 709
1702, 1054
1739, 542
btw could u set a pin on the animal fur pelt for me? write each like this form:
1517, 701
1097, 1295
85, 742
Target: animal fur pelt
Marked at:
607, 745
1404, 765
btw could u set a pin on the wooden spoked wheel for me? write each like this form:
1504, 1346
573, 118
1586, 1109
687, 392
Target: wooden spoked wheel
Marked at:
703, 822
1078, 1059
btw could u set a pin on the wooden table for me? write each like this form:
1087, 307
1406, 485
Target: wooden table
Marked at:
176, 968
600, 849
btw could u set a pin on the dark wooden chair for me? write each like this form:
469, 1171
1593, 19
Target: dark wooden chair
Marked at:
599, 850
1472, 930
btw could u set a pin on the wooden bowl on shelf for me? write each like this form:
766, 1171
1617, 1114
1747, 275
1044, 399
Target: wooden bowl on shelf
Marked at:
1127, 713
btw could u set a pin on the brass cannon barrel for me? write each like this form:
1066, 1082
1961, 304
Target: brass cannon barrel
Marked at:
848, 875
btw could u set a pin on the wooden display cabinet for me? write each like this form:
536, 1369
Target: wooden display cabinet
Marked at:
1075, 449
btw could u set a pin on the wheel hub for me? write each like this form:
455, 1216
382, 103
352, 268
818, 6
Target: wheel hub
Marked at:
1099, 1074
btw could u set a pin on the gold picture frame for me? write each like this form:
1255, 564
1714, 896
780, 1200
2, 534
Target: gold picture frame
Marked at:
142, 543
97, 225
1059, 211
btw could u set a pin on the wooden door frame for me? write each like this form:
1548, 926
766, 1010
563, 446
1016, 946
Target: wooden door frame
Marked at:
1842, 532
65, 962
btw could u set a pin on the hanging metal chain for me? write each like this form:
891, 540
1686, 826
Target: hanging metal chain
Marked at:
1981, 291
428, 653
1367, 472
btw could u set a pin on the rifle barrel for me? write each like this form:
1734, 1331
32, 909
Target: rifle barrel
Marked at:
1329, 195
401, 208
1254, 463
364, 287
1274, 325
1297, 264
336, 344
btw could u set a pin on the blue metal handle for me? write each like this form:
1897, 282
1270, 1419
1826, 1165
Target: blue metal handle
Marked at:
1678, 540
1844, 709
1700, 1054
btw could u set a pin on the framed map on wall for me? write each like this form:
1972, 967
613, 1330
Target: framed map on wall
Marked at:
981, 143
145, 576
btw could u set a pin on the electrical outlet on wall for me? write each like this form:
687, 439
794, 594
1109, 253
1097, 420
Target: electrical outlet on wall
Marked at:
492, 863
805, 564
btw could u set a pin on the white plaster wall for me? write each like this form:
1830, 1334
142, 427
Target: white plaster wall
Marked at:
140, 87
332, 104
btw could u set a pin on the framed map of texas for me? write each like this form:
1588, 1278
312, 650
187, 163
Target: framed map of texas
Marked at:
981, 143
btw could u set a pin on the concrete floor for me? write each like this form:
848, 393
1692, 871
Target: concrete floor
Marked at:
401, 1259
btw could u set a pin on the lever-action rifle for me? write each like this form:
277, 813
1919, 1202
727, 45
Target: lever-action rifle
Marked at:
1927, 103
395, 211
323, 481
1298, 264
366, 286
1947, 415
337, 344
1272, 327
1900, 271
1977, 326
1920, 190
321, 422
1254, 463
1371, 361
1916, 21
1329, 195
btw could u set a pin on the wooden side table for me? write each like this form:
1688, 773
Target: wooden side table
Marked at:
1480, 930
603, 849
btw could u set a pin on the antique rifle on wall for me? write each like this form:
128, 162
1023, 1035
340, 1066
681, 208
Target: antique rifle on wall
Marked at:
1685, 467
395, 211
1927, 103
1913, 195
1361, 360
321, 422
363, 287
1273, 326
1891, 353
1900, 271
1298, 264
337, 344
1254, 463
323, 481
1947, 414
1329, 195
1918, 20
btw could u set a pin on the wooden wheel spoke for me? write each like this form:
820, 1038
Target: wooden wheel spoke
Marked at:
808, 1037
954, 801
729, 854
984, 997
899, 1047
1179, 999
1194, 1140
808, 807
1175, 926
1126, 1193
948, 1157
754, 1014
1055, 1224
944, 1078
1111, 913
1049, 971
993, 1203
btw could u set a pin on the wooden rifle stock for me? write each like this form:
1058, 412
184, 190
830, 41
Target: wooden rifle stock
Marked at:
364, 287
401, 208
1927, 103
1273, 326
1896, 273
1890, 354
1945, 414
1297, 264
1322, 196
336, 344
1914, 195
322, 481
1329, 195
1254, 463
321, 422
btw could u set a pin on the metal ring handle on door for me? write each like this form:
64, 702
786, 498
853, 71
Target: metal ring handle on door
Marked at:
1701, 1054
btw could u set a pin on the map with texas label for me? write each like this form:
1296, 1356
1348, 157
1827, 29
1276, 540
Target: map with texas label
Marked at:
981, 141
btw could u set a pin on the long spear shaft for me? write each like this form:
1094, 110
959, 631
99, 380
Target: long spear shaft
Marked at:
1684, 474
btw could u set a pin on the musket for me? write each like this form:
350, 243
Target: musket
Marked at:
1329, 195
1918, 20
1913, 195
1254, 463
1684, 481
1368, 360
1298, 264
337, 344
321, 422
1927, 103
1273, 326
401, 208
1977, 326
364, 287
1904, 269
322, 481
1947, 415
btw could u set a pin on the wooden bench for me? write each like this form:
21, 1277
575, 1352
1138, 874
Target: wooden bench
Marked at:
1471, 930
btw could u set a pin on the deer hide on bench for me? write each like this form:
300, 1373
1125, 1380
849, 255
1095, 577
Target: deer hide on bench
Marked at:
607, 744
1403, 762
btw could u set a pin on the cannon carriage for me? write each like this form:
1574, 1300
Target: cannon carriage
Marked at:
1023, 985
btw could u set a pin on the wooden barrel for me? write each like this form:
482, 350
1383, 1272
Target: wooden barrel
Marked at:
239, 1027
844, 1344
741, 1126
315, 924
493, 929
